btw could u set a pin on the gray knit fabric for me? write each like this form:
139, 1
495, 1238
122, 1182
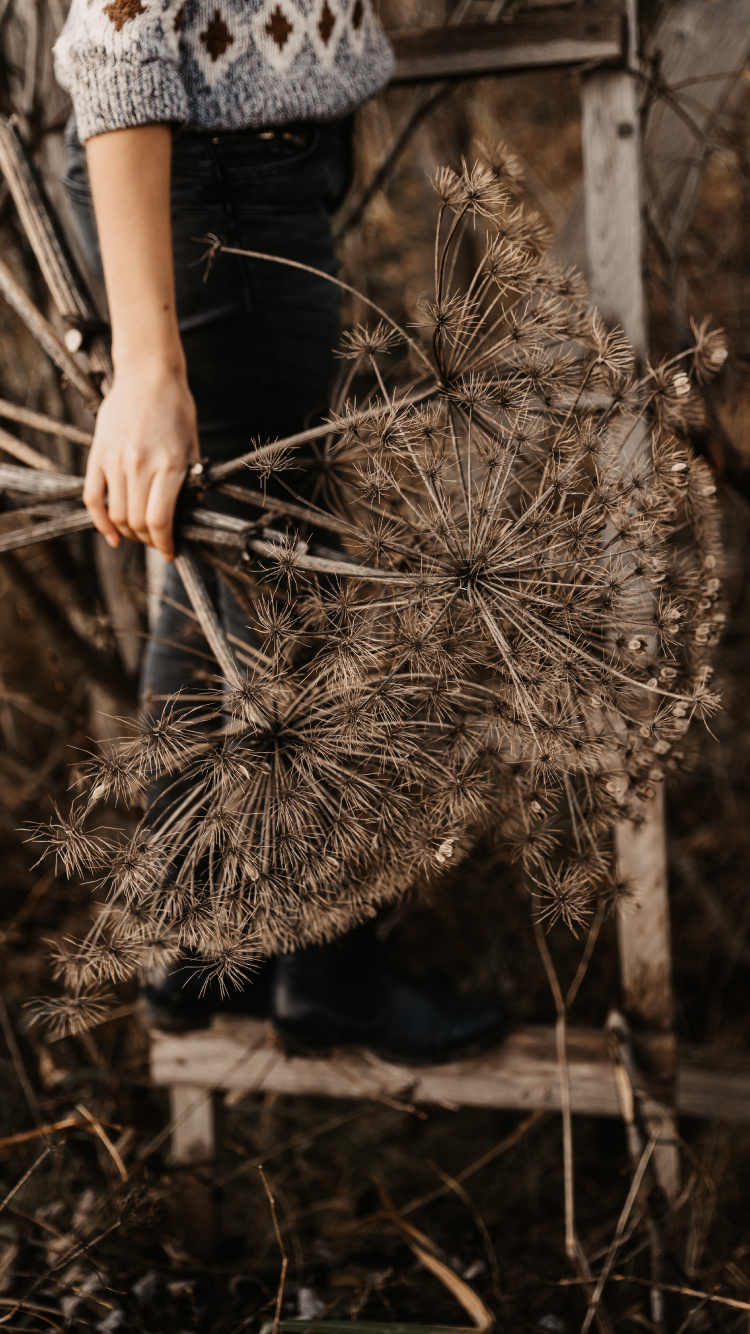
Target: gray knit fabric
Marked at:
219, 64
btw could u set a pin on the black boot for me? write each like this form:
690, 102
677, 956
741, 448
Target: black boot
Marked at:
348, 993
172, 1001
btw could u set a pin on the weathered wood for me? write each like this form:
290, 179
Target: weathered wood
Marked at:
643, 924
38, 482
195, 1111
193, 1128
42, 331
655, 1119
66, 285
569, 37
18, 449
613, 212
205, 611
612, 200
40, 421
611, 156
520, 1073
69, 521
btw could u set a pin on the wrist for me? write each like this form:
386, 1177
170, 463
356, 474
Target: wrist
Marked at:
150, 362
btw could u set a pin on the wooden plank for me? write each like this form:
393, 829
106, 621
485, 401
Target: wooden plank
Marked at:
520, 1073
569, 37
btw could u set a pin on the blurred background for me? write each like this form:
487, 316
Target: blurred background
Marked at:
80, 1248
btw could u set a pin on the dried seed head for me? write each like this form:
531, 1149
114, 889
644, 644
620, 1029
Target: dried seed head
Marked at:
64, 1016
363, 342
710, 350
501, 162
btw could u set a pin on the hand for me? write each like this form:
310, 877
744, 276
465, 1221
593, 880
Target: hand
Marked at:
145, 440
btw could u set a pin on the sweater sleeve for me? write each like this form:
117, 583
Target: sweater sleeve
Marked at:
119, 61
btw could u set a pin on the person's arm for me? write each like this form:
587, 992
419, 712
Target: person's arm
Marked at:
146, 435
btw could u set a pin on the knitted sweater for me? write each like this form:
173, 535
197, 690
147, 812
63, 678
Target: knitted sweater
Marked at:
219, 64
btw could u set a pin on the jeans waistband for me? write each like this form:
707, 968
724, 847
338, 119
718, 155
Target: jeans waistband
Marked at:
297, 133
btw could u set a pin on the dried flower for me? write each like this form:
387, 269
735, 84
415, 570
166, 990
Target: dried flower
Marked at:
516, 622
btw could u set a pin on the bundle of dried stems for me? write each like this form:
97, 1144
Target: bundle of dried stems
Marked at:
509, 627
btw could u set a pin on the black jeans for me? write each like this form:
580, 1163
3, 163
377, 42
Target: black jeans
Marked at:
258, 337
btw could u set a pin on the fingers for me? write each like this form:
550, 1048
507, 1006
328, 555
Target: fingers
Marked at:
162, 499
139, 505
139, 481
94, 491
144, 441
118, 489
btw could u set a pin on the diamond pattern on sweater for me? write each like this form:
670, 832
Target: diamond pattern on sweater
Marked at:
173, 18
279, 28
279, 32
357, 26
216, 42
121, 12
325, 26
219, 64
216, 36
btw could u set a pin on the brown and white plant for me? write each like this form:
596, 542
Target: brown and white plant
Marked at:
493, 606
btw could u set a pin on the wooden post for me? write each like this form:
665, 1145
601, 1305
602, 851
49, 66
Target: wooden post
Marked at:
612, 198
611, 173
195, 1112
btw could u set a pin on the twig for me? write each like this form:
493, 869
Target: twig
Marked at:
18, 449
428, 1253
618, 1041
74, 521
40, 421
23, 1136
41, 329
455, 1186
99, 1130
663, 1287
20, 1069
284, 1256
573, 1247
209, 621
260, 454
35, 482
14, 1190
622, 1222
564, 1076
66, 286
508, 1143
219, 248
